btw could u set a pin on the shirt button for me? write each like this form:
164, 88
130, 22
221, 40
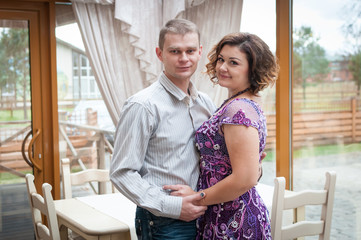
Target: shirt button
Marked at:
151, 223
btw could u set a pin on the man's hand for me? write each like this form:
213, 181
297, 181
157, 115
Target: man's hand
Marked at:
263, 155
260, 170
191, 208
179, 190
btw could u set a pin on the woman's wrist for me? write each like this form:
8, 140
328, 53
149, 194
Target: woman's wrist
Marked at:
203, 195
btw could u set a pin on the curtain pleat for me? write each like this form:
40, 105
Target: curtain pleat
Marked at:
120, 38
215, 19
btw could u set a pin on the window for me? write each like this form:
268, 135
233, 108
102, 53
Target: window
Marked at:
83, 75
326, 103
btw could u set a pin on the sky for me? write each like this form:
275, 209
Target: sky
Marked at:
259, 17
323, 16
70, 33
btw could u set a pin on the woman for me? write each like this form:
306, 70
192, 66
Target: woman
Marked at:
231, 142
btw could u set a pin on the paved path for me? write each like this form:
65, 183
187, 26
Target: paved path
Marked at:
310, 173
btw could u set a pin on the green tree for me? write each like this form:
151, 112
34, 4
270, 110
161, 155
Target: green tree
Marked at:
355, 68
14, 64
352, 25
352, 29
309, 58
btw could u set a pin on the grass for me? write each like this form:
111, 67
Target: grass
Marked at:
327, 150
8, 178
5, 115
318, 151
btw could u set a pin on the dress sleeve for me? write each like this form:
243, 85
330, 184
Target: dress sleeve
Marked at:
240, 112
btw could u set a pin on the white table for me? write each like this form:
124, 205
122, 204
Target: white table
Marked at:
90, 222
117, 212
116, 206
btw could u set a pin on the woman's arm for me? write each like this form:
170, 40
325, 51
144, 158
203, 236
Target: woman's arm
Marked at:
243, 147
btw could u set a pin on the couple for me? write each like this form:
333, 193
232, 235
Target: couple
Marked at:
156, 163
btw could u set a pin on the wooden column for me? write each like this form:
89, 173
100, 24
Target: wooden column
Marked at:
284, 91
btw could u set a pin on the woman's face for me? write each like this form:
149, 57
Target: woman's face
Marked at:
232, 69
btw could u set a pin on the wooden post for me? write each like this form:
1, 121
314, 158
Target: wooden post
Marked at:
62, 141
92, 117
101, 160
283, 92
353, 109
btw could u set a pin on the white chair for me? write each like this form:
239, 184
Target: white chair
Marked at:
85, 176
42, 205
302, 228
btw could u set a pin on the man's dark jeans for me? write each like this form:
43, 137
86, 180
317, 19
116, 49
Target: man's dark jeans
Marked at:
151, 227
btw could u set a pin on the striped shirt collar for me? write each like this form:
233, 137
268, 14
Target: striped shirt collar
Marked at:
175, 91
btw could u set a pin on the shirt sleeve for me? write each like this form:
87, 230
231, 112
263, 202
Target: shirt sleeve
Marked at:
134, 130
240, 112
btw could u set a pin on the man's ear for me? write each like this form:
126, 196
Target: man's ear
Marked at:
200, 50
159, 53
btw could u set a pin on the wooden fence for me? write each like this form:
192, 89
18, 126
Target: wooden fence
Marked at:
84, 141
321, 128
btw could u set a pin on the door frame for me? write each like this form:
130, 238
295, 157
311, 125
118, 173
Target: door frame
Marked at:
42, 41
284, 153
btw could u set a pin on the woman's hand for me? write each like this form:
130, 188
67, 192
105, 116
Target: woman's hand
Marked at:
179, 190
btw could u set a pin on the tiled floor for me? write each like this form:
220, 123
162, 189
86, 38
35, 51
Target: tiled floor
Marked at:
15, 214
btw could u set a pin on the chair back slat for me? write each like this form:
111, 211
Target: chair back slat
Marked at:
300, 228
311, 197
79, 178
42, 205
90, 175
294, 200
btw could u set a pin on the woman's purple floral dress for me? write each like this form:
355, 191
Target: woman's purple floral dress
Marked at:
247, 216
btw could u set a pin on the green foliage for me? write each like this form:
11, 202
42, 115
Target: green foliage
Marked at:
62, 85
309, 58
318, 151
352, 25
5, 115
8, 178
14, 63
355, 67
352, 29
326, 150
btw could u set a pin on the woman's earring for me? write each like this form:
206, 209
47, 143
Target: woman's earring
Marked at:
215, 81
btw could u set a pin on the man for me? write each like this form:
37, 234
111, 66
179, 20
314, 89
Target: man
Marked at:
154, 142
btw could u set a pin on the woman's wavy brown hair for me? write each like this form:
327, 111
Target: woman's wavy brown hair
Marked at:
263, 65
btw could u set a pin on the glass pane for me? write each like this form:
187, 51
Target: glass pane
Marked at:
326, 107
75, 60
84, 72
75, 72
263, 24
15, 124
84, 88
81, 108
84, 61
92, 87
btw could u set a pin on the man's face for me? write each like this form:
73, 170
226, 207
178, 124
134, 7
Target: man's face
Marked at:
180, 56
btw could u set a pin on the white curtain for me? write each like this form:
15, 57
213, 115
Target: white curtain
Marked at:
120, 37
215, 19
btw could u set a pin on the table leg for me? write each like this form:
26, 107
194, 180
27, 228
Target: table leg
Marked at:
63, 232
